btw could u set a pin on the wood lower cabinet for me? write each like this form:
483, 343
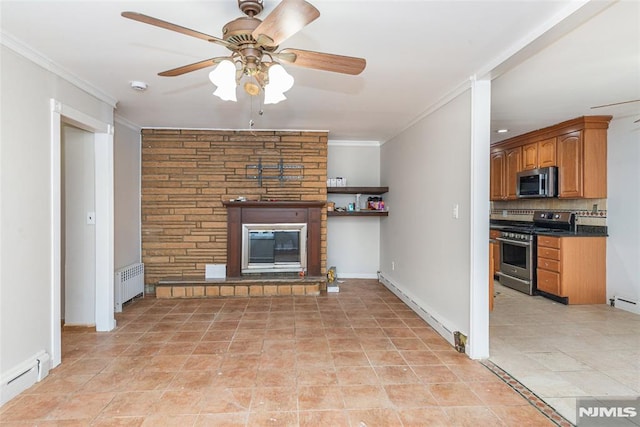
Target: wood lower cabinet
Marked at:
573, 268
494, 262
495, 248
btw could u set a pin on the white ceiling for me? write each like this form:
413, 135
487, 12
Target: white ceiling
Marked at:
419, 53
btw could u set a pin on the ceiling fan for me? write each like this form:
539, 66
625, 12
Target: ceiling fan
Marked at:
618, 103
254, 47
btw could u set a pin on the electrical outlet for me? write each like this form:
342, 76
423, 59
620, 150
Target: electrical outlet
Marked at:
456, 211
393, 265
91, 218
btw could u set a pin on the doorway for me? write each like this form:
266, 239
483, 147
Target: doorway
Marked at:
78, 235
100, 135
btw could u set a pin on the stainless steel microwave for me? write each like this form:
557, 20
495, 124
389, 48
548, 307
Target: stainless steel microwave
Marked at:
542, 182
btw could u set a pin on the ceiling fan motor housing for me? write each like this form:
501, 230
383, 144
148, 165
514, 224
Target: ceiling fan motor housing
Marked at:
250, 7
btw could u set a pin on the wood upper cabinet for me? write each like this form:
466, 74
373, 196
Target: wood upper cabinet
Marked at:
496, 184
513, 165
505, 164
582, 164
573, 268
539, 154
530, 156
569, 162
578, 147
547, 153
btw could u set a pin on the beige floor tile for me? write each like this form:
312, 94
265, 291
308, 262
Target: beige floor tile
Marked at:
357, 358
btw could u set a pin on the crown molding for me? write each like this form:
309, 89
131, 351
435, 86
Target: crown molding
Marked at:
36, 57
126, 123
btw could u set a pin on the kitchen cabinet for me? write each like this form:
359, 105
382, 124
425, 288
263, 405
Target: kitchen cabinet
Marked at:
578, 147
572, 269
513, 165
505, 164
494, 262
365, 191
496, 184
495, 249
530, 156
491, 268
582, 164
547, 153
539, 154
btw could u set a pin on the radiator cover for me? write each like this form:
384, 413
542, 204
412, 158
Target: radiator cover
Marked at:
129, 283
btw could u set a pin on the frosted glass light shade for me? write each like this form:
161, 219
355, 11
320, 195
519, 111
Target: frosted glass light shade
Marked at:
279, 82
224, 77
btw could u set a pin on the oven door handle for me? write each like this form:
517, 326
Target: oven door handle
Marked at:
514, 242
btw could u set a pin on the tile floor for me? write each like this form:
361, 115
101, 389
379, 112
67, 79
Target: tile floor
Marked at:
565, 352
358, 358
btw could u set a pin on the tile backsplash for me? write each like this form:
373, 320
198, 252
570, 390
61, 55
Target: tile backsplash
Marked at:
588, 211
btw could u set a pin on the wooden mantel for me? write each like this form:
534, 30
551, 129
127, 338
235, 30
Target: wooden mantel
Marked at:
274, 204
271, 212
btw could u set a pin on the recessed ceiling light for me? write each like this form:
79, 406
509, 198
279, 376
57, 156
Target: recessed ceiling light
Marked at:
502, 131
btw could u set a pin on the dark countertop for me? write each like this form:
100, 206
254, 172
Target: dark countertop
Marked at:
582, 231
574, 234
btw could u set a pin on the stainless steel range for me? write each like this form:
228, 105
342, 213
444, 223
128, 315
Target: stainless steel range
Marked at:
518, 249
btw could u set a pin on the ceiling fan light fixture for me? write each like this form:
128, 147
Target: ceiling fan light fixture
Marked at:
224, 77
279, 82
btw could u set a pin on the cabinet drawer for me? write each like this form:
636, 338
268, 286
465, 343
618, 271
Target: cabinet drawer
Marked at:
549, 264
549, 281
549, 242
548, 253
494, 234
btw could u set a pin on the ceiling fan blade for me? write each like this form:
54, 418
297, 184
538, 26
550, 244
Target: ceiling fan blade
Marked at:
323, 61
289, 17
192, 67
616, 103
173, 27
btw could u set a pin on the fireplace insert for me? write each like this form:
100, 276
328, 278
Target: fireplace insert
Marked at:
274, 248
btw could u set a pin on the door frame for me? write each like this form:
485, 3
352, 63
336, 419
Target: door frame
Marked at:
104, 274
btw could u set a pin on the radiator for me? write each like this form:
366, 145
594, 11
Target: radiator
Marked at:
627, 304
129, 283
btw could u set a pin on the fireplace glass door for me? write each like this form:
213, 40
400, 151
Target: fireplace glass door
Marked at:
273, 248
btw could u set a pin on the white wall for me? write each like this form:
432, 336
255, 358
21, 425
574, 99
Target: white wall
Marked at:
127, 195
80, 236
623, 208
353, 243
427, 170
25, 201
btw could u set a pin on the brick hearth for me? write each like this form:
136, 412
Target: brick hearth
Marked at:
239, 287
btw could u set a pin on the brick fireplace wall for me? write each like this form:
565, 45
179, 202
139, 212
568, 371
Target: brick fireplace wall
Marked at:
186, 174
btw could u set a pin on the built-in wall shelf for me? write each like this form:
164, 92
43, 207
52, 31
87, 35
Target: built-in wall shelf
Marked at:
363, 212
357, 190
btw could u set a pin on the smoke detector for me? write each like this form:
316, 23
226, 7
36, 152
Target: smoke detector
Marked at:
139, 86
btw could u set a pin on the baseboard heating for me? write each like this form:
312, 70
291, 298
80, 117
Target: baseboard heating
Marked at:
129, 283
627, 304
437, 325
24, 376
